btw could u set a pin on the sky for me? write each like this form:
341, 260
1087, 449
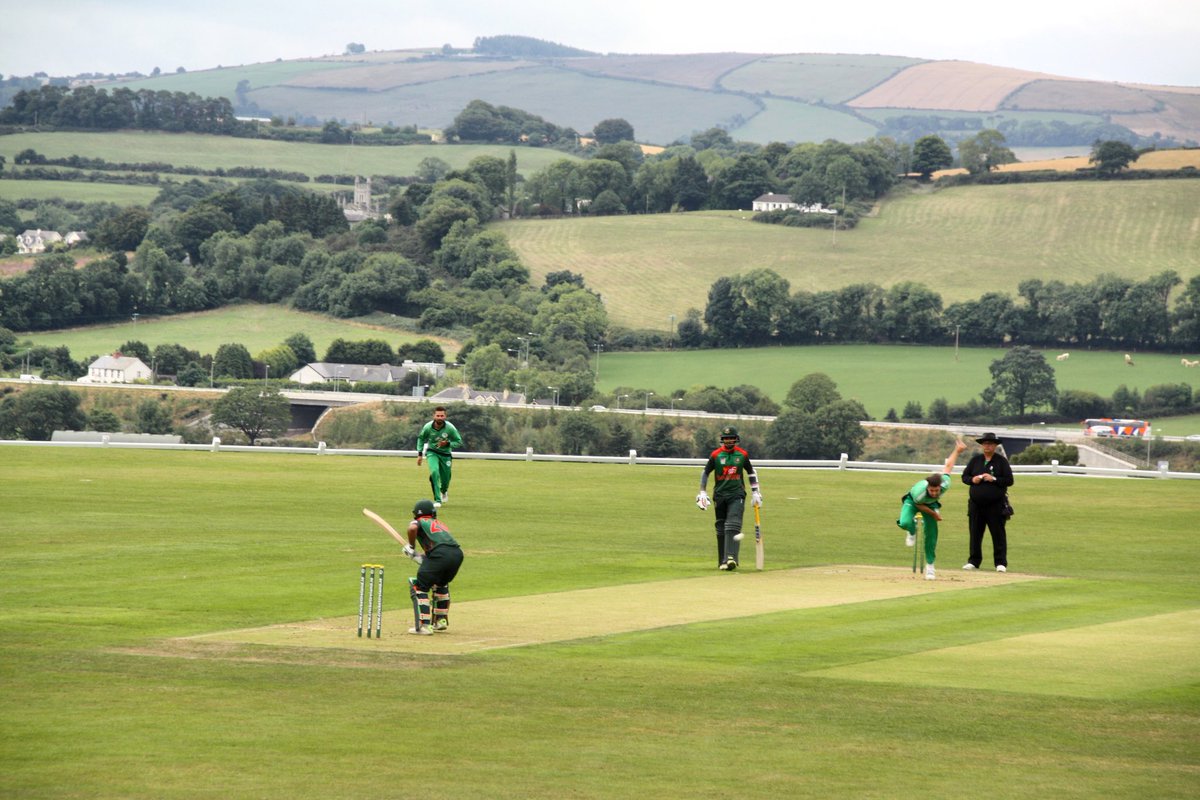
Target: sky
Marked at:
1152, 41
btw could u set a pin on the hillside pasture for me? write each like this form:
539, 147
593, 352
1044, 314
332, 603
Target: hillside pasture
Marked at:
961, 242
380, 77
697, 71
170, 654
1058, 94
80, 191
803, 122
213, 152
957, 85
814, 78
563, 96
1178, 116
255, 326
1166, 160
223, 81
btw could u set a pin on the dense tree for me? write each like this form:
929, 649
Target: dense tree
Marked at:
366, 351
125, 231
256, 411
739, 184
233, 361
610, 131
811, 392
580, 433
35, 414
984, 151
302, 346
1110, 157
151, 416
929, 154
1021, 380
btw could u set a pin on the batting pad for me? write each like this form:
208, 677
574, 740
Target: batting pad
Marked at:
563, 616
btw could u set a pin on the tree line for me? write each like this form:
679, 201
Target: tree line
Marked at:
757, 308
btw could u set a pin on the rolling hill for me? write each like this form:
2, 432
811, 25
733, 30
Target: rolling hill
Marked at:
756, 97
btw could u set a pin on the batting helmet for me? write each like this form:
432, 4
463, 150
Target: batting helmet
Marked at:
730, 432
424, 508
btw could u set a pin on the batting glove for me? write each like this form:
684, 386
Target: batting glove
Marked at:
411, 552
702, 500
756, 498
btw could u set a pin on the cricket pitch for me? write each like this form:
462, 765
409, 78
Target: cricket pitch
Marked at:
478, 625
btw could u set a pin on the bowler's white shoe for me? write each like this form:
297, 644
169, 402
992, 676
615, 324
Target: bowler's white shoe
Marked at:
1001, 568
910, 540
445, 497
930, 575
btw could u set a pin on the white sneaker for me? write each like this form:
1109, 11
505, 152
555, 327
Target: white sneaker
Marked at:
437, 505
442, 624
445, 497
1001, 568
910, 540
424, 630
969, 565
723, 565
929, 573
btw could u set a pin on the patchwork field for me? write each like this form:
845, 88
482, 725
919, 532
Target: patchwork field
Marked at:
958, 241
204, 645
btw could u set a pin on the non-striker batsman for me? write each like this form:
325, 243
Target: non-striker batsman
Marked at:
730, 465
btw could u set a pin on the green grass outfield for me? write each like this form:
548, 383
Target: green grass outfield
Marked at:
1080, 684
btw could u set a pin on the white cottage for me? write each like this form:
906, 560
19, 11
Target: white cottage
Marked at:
117, 369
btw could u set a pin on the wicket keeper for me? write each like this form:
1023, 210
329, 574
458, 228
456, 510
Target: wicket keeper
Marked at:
437, 442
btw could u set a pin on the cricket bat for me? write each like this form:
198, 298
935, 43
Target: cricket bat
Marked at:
383, 523
758, 543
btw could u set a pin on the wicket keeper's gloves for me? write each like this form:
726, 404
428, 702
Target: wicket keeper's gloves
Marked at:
702, 500
756, 498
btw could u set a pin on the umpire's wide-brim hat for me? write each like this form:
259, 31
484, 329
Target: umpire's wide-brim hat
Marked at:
988, 437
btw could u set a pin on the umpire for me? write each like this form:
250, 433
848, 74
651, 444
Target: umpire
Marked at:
989, 476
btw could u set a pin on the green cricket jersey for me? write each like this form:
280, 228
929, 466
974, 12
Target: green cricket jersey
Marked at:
919, 493
440, 440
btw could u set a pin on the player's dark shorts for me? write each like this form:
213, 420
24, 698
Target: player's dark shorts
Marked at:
439, 567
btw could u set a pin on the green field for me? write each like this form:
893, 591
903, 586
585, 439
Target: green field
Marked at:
212, 152
180, 625
81, 191
255, 326
879, 376
961, 242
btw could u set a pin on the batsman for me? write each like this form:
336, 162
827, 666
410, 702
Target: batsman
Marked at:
730, 465
436, 443
439, 560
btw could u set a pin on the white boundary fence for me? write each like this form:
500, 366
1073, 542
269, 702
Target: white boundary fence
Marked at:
633, 459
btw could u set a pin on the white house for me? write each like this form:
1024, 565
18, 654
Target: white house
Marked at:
326, 372
116, 369
37, 241
465, 394
784, 202
773, 202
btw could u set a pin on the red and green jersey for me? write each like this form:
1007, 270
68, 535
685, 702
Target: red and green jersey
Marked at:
431, 532
729, 469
